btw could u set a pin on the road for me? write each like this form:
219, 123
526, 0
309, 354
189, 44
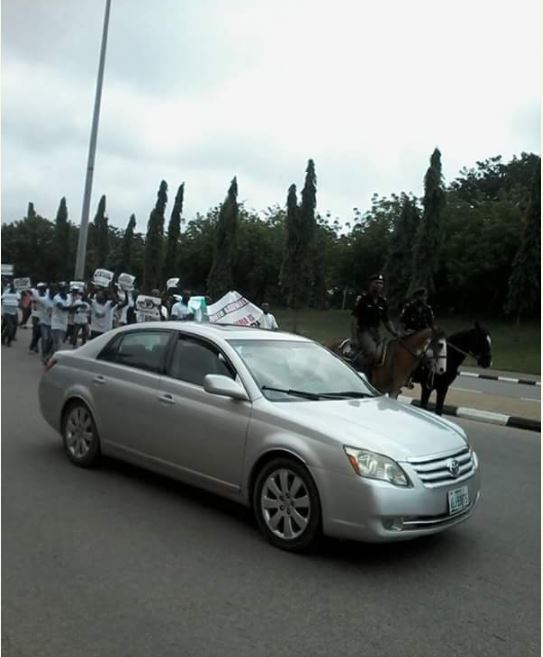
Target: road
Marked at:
119, 562
499, 388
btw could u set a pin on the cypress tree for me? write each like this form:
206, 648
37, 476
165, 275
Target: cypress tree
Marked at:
61, 266
152, 267
398, 267
31, 213
524, 291
289, 279
221, 278
100, 235
428, 238
125, 259
174, 231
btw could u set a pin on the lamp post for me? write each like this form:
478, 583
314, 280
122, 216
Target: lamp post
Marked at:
83, 229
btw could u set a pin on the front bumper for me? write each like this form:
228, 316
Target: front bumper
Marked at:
376, 511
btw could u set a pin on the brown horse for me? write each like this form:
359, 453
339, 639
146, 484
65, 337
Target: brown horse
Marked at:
402, 358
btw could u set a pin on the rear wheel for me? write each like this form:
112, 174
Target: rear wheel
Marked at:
287, 505
81, 441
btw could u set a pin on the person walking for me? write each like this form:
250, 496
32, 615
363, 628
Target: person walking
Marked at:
10, 305
267, 321
62, 306
35, 314
181, 310
81, 319
26, 307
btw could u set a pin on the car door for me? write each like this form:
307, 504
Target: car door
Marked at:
125, 389
201, 434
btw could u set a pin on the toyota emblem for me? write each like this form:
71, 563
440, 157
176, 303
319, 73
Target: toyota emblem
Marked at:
453, 467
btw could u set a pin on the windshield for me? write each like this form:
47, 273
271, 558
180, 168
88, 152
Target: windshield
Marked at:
298, 371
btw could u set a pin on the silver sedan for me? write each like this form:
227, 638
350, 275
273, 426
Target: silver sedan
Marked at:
272, 420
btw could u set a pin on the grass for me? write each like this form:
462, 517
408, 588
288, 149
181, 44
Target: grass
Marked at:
514, 348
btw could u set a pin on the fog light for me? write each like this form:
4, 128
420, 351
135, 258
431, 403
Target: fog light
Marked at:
393, 524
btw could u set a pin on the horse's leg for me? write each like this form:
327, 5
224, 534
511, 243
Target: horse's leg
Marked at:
441, 393
424, 395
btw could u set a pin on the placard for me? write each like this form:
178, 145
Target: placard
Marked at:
126, 282
21, 284
234, 309
172, 282
77, 285
102, 277
7, 270
147, 308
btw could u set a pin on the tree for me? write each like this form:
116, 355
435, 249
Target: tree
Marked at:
400, 252
174, 231
221, 275
524, 293
125, 257
152, 270
62, 245
100, 236
429, 235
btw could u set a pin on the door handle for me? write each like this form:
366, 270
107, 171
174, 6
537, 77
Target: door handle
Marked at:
166, 399
99, 379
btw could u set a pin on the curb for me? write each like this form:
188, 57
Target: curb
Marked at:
506, 379
481, 416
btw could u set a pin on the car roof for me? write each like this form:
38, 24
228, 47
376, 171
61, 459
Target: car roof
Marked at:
224, 331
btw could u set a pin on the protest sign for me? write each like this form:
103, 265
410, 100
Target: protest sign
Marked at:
147, 308
7, 270
22, 284
77, 285
126, 282
234, 309
102, 277
172, 282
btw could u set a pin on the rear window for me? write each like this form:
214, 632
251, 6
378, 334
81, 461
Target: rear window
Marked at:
143, 350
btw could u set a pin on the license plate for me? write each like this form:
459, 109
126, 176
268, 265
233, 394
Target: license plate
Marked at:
458, 500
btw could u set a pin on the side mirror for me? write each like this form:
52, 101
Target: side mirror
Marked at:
218, 384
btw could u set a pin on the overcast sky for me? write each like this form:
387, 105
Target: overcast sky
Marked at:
202, 90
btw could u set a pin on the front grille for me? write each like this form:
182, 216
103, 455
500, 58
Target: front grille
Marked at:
434, 471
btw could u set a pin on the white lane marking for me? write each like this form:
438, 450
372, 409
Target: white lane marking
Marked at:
472, 374
479, 392
487, 416
532, 400
507, 379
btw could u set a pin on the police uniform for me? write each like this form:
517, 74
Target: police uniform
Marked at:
417, 316
369, 312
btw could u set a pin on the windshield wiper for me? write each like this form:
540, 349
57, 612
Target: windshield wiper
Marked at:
295, 393
350, 394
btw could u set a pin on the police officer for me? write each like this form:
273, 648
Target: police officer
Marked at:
370, 310
417, 314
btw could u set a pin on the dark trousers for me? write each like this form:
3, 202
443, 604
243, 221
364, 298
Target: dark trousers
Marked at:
26, 314
95, 334
36, 334
46, 340
9, 328
77, 329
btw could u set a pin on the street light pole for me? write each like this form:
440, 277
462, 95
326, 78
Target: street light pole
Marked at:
83, 229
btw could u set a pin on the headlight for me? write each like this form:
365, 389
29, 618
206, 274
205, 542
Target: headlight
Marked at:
376, 466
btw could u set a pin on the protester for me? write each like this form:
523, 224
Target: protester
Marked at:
181, 310
26, 307
81, 319
10, 305
126, 311
44, 300
62, 306
33, 348
267, 321
101, 312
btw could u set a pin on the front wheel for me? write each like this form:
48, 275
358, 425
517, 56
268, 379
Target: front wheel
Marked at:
81, 442
287, 505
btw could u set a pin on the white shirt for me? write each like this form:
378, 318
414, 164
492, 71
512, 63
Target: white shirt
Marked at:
45, 308
10, 302
268, 322
123, 315
59, 318
180, 310
101, 316
81, 315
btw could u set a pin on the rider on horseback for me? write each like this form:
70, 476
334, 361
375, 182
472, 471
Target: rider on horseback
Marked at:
370, 310
417, 314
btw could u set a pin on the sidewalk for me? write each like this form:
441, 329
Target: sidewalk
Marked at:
483, 402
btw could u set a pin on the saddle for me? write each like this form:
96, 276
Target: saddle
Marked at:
349, 354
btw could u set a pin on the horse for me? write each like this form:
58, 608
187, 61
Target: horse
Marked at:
475, 342
402, 357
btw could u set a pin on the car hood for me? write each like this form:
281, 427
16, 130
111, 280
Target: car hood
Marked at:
380, 424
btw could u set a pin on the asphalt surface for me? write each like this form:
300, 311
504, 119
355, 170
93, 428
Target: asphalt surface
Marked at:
500, 388
119, 562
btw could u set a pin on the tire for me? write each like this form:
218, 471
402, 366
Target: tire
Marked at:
287, 506
80, 437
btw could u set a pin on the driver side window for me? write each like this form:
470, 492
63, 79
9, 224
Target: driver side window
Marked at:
193, 359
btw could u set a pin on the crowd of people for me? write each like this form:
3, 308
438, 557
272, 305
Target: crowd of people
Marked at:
71, 314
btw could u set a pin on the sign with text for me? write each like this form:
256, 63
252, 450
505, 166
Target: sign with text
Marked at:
7, 270
77, 285
102, 277
171, 283
234, 309
147, 308
126, 282
22, 284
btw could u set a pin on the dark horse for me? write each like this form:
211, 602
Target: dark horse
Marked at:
473, 342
